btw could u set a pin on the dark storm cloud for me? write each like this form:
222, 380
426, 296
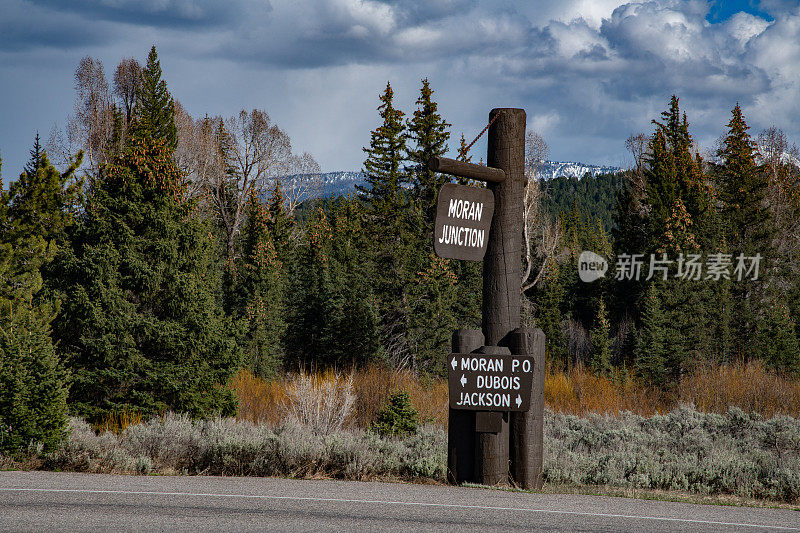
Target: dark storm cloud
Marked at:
177, 14
413, 13
25, 27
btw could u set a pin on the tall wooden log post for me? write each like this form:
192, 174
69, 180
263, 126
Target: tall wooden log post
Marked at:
526, 446
461, 424
502, 266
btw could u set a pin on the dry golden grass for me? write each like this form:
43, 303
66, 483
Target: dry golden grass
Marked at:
580, 392
374, 384
750, 386
259, 400
117, 422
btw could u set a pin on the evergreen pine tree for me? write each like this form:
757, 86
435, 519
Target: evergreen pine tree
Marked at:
432, 319
673, 173
33, 382
354, 335
383, 168
429, 132
154, 114
280, 224
780, 346
601, 342
549, 298
747, 224
652, 350
140, 322
43, 200
36, 156
388, 218
743, 187
260, 293
334, 320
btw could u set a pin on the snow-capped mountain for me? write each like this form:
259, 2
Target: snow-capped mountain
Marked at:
344, 182
340, 183
571, 169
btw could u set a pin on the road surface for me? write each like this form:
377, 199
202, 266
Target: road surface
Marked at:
51, 501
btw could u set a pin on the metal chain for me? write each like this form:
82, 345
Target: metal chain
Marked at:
463, 154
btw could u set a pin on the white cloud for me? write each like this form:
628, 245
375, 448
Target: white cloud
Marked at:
588, 72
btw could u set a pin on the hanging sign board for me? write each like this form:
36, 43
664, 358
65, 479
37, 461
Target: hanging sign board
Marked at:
483, 382
463, 218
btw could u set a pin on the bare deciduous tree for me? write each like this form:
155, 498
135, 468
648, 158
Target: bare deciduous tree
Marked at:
636, 144
782, 163
93, 122
199, 152
127, 79
63, 145
541, 232
303, 183
255, 154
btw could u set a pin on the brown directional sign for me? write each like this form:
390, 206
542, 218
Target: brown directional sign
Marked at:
463, 218
482, 382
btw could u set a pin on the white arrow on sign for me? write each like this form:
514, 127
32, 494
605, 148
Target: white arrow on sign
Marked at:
518, 401
453, 363
463, 380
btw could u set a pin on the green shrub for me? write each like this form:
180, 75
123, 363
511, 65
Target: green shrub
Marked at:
398, 417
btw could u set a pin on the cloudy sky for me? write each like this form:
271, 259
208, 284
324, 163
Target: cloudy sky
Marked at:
588, 72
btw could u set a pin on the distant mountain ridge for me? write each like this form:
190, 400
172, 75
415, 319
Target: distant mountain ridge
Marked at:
571, 169
345, 181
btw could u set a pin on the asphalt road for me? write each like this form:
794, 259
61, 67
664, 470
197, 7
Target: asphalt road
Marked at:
50, 501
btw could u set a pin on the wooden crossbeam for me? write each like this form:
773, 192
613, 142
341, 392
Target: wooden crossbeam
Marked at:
466, 170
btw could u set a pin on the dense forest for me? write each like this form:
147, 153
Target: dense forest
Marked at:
592, 197
146, 256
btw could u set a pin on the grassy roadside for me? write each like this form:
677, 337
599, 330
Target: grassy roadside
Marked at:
683, 455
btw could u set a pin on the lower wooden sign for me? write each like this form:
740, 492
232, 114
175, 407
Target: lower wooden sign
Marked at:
482, 382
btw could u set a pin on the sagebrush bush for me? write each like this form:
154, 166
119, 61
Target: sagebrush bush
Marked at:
704, 453
323, 403
177, 444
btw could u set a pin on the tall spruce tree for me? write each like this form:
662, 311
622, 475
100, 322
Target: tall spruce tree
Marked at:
673, 173
652, 350
140, 322
746, 224
388, 217
33, 382
743, 187
43, 200
154, 113
260, 293
36, 155
334, 319
428, 131
779, 344
383, 168
601, 342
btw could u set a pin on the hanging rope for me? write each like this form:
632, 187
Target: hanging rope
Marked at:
463, 153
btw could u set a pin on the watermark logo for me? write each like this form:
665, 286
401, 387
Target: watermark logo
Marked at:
694, 267
591, 266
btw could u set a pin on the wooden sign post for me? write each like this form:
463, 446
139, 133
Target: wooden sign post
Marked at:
495, 445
